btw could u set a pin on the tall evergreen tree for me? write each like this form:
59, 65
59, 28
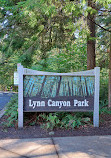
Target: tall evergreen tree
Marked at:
91, 62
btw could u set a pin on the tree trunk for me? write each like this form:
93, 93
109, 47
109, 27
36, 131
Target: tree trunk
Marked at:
42, 86
91, 42
109, 92
69, 89
58, 88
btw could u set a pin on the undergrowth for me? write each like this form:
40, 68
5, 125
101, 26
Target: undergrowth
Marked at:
12, 112
45, 120
64, 120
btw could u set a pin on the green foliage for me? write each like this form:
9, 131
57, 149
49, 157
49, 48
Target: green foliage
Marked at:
47, 35
70, 121
71, 58
37, 29
51, 121
62, 120
12, 112
105, 110
103, 88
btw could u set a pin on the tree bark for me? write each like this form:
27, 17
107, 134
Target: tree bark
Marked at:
109, 91
91, 42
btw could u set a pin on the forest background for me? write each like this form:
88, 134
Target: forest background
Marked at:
56, 36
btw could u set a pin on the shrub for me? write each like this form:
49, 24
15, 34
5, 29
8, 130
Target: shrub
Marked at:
105, 110
63, 120
12, 112
103, 88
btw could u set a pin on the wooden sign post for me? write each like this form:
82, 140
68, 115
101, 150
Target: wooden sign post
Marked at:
51, 92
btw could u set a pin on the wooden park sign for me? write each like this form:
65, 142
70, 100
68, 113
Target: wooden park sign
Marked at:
51, 92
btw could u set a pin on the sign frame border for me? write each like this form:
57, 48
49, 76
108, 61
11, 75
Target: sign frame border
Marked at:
24, 71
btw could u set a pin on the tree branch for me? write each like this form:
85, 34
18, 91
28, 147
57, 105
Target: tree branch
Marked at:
105, 10
99, 25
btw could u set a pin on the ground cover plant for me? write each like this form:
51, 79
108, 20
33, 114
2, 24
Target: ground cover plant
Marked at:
12, 112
